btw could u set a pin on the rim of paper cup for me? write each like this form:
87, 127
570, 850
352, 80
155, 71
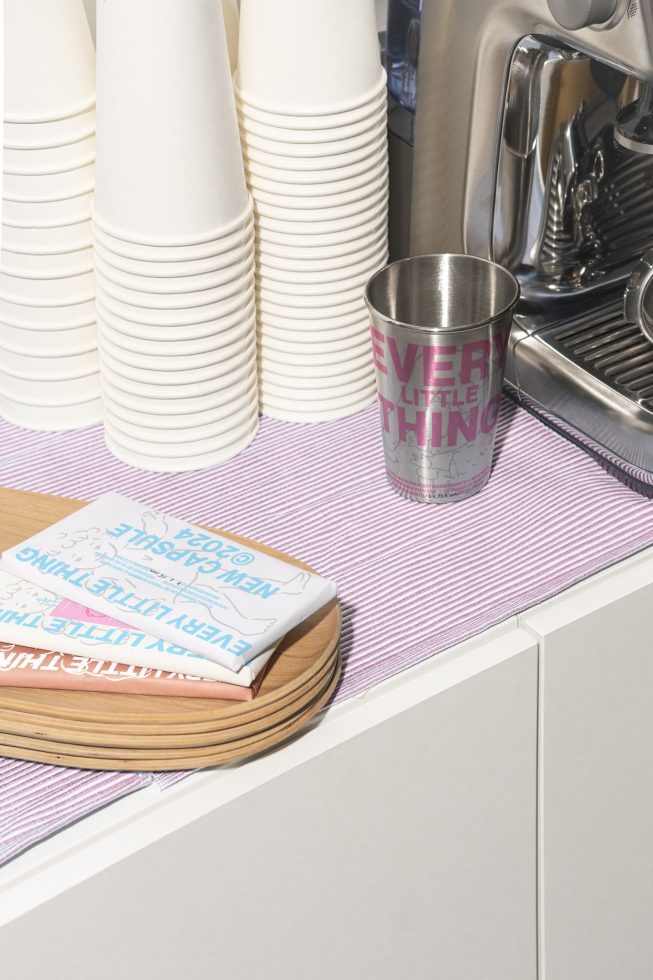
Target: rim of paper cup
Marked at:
217, 428
317, 405
158, 464
297, 313
307, 290
49, 404
242, 428
315, 417
7, 347
207, 249
290, 163
203, 238
208, 403
69, 112
179, 375
320, 202
331, 263
48, 304
177, 364
324, 277
235, 273
56, 223
304, 176
335, 352
369, 217
313, 386
47, 276
67, 196
50, 379
165, 392
209, 327
46, 327
293, 138
308, 374
71, 247
365, 178
50, 145
332, 358
162, 422
49, 171
165, 270
175, 347
314, 247
209, 314
169, 302
361, 101
309, 300
343, 338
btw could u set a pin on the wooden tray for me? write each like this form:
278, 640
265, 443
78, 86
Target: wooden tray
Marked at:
108, 731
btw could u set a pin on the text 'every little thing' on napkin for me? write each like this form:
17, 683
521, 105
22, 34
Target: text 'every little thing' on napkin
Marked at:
174, 580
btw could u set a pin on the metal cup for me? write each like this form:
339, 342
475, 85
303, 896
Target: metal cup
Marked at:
440, 330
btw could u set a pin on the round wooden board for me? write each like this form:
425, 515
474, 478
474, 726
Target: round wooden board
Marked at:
236, 750
70, 726
48, 730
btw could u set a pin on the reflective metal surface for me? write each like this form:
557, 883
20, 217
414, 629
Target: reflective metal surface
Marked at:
440, 329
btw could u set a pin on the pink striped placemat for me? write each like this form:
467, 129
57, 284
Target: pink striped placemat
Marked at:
413, 579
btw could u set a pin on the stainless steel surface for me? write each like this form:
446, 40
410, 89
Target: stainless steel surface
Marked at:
593, 369
440, 329
634, 126
574, 14
638, 297
523, 151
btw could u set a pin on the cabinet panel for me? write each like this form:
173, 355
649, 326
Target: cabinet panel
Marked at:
406, 850
596, 779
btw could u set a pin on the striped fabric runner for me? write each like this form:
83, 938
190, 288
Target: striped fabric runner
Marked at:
413, 579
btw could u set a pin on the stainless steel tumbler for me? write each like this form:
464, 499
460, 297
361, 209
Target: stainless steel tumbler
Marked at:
440, 330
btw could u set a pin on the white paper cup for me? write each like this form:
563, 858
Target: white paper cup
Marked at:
331, 296
374, 260
43, 362
191, 316
58, 342
175, 270
49, 135
293, 319
164, 411
161, 346
336, 172
317, 125
181, 436
47, 317
321, 248
262, 161
55, 417
283, 412
53, 160
47, 215
304, 346
300, 56
48, 188
128, 287
47, 241
45, 390
317, 375
231, 16
181, 371
143, 460
169, 165
323, 184
233, 238
245, 394
226, 326
286, 219
170, 302
113, 378
47, 292
189, 447
313, 143
307, 202
49, 60
53, 265
345, 259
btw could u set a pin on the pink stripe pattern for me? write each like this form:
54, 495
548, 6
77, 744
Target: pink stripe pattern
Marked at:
413, 579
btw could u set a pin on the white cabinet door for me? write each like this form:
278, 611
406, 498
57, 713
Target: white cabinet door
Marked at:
596, 777
400, 843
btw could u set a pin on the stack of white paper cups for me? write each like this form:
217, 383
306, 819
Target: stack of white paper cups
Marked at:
174, 239
48, 345
311, 95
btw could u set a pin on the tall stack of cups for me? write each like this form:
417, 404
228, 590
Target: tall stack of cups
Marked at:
174, 239
311, 95
49, 371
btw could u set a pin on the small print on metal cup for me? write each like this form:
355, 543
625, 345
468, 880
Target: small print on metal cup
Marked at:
439, 380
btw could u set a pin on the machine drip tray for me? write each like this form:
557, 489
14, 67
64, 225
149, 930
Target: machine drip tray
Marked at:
594, 372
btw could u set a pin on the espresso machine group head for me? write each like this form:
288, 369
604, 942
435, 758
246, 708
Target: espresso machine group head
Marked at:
522, 131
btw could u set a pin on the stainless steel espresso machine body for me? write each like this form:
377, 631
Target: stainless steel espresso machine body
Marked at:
526, 136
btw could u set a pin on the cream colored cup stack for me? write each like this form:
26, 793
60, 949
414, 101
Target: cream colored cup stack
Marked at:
311, 97
48, 340
174, 239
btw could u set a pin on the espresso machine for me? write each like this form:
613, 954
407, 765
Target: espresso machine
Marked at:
522, 131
